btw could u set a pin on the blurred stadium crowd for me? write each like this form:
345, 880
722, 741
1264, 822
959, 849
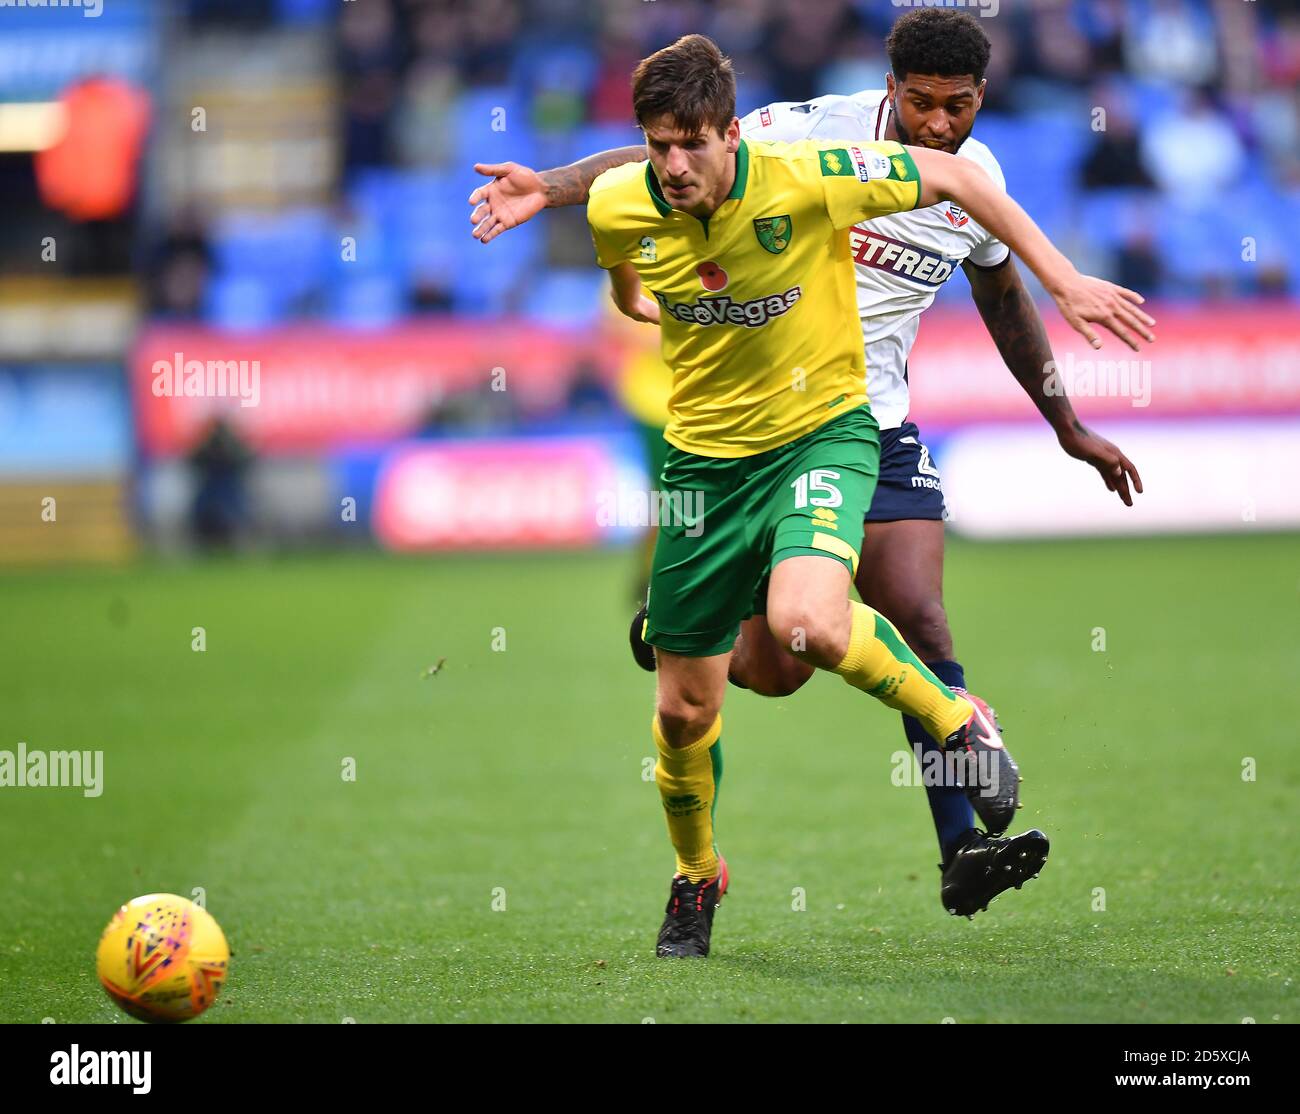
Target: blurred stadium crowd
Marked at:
1151, 137
284, 182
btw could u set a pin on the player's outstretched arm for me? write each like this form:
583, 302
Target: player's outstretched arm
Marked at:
517, 193
1084, 301
1017, 329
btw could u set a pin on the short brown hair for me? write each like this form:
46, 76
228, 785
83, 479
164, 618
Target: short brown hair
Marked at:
691, 81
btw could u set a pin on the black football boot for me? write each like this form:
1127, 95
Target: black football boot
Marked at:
688, 920
989, 775
984, 866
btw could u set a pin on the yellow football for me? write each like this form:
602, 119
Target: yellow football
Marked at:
162, 958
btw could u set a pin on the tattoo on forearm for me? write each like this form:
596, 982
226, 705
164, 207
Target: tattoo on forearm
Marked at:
569, 185
1017, 329
564, 186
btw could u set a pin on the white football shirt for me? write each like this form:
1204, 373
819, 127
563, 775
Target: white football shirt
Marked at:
902, 259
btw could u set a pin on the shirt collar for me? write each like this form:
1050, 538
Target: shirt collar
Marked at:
737, 187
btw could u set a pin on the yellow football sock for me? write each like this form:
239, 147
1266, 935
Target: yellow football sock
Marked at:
688, 779
879, 662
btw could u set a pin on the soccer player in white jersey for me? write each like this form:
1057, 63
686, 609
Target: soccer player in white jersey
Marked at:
931, 98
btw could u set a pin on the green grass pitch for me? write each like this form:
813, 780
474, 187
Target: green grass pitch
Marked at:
514, 777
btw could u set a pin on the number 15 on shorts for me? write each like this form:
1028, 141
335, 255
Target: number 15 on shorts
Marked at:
813, 488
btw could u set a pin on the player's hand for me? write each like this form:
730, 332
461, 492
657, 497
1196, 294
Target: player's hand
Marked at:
1085, 301
516, 194
1116, 469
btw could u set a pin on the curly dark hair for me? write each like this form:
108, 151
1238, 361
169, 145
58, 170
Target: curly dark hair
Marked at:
944, 42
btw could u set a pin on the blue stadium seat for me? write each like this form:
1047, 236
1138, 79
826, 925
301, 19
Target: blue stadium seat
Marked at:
368, 301
421, 220
477, 116
1262, 211
999, 133
1107, 216
243, 302
304, 11
374, 188
1153, 99
383, 193
567, 297
290, 250
588, 140
1056, 141
1038, 155
550, 61
374, 249
1194, 247
492, 285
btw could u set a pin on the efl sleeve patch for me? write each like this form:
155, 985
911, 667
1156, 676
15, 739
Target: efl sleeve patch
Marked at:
869, 164
866, 180
902, 168
835, 163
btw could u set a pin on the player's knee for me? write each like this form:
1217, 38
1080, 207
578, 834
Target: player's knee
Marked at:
683, 719
925, 629
789, 622
781, 676
806, 633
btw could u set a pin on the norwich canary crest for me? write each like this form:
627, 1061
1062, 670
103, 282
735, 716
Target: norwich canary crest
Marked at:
774, 233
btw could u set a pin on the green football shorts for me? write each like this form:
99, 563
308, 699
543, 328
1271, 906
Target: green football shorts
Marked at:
725, 524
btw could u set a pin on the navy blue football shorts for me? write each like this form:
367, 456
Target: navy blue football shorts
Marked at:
909, 484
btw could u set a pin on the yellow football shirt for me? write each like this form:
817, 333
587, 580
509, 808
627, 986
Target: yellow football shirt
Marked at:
758, 315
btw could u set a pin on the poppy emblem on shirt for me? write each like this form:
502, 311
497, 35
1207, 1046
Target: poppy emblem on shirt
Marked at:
712, 277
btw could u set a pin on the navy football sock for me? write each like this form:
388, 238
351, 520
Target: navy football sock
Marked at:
953, 816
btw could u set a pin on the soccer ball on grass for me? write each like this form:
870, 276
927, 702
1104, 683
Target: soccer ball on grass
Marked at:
162, 958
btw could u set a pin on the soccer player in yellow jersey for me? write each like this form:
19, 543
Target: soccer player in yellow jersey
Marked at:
739, 251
